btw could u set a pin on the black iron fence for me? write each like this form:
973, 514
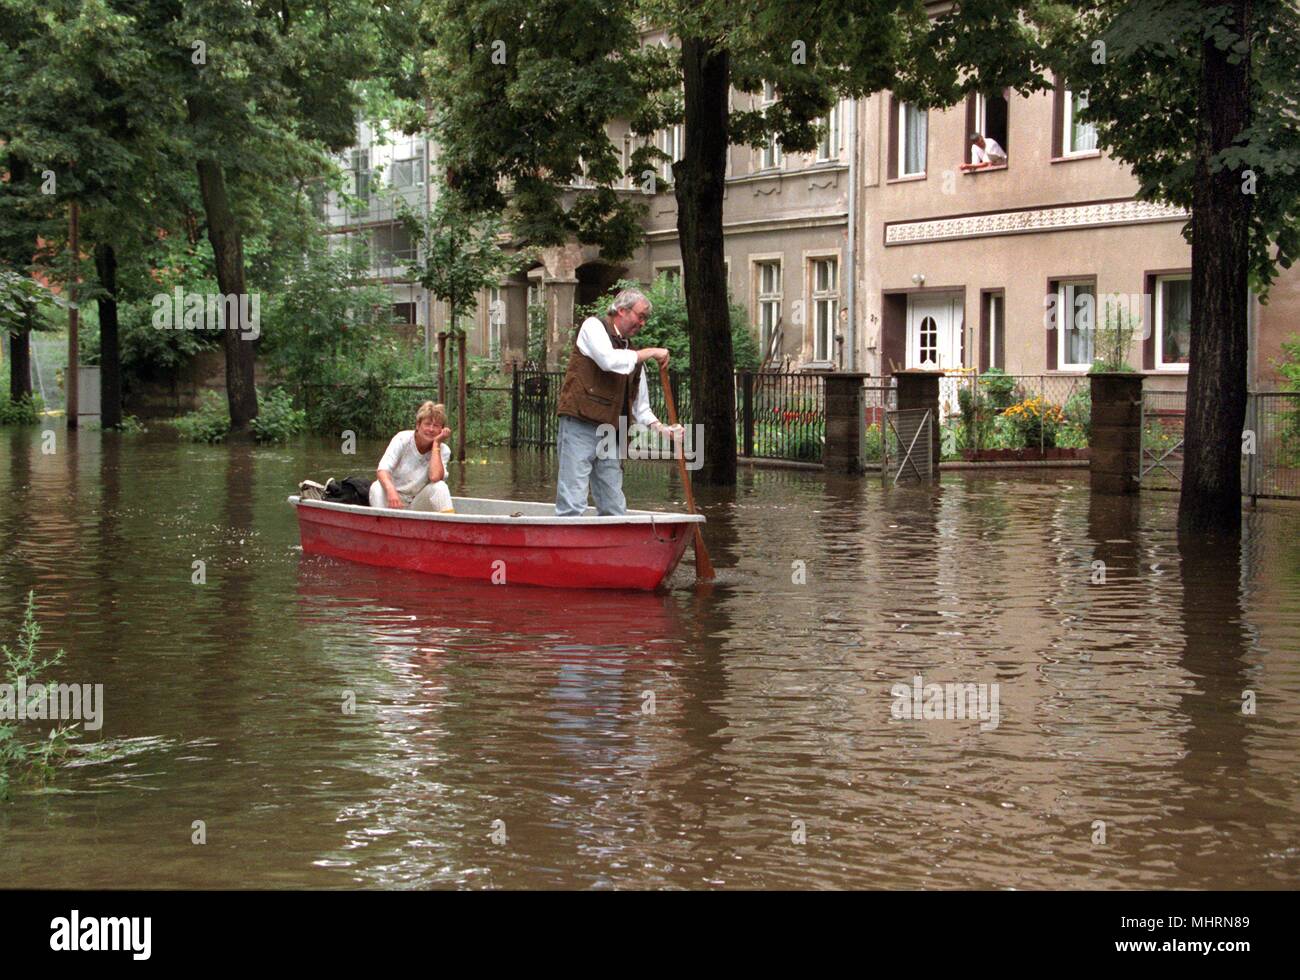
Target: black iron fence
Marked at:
778, 415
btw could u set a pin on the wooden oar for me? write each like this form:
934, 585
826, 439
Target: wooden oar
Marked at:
703, 567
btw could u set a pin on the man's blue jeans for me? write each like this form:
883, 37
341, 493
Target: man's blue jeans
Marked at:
576, 443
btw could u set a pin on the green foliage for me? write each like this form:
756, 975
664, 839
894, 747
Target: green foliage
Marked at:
1078, 410
873, 447
537, 334
999, 388
26, 411
32, 757
1113, 338
1037, 422
462, 252
277, 419
24, 303
667, 325
210, 422
1289, 367
329, 325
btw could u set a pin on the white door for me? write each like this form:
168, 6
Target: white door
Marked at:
934, 328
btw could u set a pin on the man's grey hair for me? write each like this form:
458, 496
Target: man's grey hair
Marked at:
628, 298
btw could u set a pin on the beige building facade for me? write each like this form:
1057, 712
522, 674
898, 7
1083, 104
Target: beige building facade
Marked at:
885, 250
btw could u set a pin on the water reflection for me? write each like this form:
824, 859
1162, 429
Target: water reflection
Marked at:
342, 725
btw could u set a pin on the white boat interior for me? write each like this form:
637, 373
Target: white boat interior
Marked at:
482, 510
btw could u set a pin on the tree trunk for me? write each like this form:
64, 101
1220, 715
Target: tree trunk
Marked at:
20, 365
110, 361
228, 247
1216, 379
700, 180
19, 255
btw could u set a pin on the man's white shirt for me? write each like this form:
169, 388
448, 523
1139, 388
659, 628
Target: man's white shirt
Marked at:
593, 341
990, 152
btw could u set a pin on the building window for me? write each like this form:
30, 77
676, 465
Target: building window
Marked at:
628, 180
912, 135
404, 313
1076, 319
391, 246
992, 346
1080, 137
673, 273
496, 319
1173, 322
825, 298
408, 172
768, 278
771, 154
987, 115
672, 142
829, 148
359, 167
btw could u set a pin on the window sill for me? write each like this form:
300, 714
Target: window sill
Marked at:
905, 179
817, 366
1072, 157
1170, 368
971, 172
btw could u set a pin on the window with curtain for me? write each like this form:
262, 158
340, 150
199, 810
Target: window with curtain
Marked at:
1173, 321
1080, 137
1076, 313
912, 127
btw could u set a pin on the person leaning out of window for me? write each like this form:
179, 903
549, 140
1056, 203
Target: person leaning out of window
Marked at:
985, 152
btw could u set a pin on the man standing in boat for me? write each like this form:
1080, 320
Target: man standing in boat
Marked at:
604, 382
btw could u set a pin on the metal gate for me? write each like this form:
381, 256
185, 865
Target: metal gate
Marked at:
908, 446
1163, 413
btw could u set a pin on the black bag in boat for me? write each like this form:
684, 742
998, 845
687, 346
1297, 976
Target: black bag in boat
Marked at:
349, 490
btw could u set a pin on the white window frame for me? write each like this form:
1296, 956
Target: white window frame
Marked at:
1067, 127
771, 156
411, 158
672, 142
902, 142
768, 298
1161, 364
823, 300
997, 314
1065, 308
496, 317
829, 147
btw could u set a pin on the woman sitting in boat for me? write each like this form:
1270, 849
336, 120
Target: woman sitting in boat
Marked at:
411, 474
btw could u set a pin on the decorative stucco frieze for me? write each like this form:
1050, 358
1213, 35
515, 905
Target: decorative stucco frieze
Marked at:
1031, 220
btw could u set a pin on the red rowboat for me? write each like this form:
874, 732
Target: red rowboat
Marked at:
503, 542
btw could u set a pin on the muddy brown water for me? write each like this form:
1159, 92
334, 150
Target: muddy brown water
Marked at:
743, 736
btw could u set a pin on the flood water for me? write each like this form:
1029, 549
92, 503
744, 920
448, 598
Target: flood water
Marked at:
742, 736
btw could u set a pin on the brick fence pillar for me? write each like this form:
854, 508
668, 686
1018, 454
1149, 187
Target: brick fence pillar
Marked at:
1115, 450
844, 421
920, 389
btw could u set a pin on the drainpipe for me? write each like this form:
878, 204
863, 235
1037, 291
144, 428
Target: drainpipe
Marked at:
850, 327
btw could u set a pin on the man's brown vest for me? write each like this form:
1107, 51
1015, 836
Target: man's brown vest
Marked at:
597, 396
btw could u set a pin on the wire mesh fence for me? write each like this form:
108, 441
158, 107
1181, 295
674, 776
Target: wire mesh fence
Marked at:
1272, 444
984, 414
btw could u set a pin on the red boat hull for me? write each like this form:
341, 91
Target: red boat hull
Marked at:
556, 552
